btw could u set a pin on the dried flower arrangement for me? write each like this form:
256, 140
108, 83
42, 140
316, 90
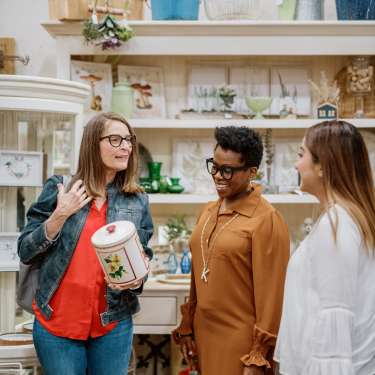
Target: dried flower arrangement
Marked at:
325, 92
108, 33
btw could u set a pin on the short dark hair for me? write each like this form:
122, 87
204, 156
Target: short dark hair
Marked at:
242, 140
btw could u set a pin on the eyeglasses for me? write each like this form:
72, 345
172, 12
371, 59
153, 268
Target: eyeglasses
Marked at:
226, 171
116, 140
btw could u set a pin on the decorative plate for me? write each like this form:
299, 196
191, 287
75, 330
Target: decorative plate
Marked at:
10, 339
176, 279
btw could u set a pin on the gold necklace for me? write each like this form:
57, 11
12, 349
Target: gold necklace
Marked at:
205, 269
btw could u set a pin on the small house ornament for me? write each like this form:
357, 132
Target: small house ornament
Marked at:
327, 111
328, 96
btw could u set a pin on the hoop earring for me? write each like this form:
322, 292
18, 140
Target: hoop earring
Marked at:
252, 185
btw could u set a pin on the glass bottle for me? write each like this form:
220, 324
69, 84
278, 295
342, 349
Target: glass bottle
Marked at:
185, 263
172, 262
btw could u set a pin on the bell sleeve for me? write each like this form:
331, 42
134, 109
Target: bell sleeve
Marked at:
270, 255
334, 264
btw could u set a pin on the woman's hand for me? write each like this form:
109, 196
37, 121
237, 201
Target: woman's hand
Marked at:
188, 348
67, 204
120, 287
253, 370
72, 201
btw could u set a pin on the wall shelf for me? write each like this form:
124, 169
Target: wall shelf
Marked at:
256, 124
239, 38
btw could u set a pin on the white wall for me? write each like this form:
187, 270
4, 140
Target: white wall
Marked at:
21, 20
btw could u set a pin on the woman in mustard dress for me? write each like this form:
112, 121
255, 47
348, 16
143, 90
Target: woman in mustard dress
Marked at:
240, 250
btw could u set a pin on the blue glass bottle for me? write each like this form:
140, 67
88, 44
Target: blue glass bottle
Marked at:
172, 262
185, 262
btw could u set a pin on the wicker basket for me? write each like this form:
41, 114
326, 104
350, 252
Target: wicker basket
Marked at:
347, 101
77, 10
232, 9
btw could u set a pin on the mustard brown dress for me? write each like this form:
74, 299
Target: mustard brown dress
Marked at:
235, 315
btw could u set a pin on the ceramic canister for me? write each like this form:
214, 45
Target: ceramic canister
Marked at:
120, 252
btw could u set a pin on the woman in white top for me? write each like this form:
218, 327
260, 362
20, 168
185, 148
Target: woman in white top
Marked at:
328, 319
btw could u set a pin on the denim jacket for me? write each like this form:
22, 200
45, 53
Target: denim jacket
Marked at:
54, 256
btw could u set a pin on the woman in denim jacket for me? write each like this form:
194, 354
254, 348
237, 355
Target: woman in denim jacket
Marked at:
82, 324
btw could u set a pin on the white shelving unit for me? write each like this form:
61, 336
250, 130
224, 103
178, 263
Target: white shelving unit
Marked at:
174, 45
325, 43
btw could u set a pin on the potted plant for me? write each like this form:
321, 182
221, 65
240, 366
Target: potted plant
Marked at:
177, 232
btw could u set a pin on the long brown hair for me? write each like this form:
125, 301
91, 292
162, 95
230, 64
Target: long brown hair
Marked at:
91, 169
347, 177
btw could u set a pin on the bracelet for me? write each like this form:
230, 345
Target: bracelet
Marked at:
182, 335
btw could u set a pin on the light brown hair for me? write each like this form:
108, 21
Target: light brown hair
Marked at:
347, 177
91, 169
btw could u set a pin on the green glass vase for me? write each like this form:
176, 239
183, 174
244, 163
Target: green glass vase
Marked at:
175, 187
154, 168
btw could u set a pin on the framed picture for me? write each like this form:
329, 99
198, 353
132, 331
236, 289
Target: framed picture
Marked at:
285, 176
21, 168
189, 163
99, 77
9, 260
249, 81
204, 81
148, 85
290, 90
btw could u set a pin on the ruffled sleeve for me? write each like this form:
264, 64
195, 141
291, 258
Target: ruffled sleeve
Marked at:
334, 265
270, 255
187, 312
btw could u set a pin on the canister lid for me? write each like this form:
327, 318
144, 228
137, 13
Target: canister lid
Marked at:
113, 234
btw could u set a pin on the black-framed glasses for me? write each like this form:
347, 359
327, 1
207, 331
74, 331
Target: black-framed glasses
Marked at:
225, 171
116, 139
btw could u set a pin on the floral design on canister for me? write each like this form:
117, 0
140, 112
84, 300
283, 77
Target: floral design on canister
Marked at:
114, 266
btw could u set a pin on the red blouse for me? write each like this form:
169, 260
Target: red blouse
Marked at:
80, 298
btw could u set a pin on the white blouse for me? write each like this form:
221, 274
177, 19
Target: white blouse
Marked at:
328, 319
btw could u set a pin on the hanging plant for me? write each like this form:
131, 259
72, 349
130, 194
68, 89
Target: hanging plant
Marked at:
108, 33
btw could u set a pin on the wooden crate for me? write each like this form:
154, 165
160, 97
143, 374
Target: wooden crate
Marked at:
77, 10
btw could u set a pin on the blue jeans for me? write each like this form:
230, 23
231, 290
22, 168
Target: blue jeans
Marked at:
108, 354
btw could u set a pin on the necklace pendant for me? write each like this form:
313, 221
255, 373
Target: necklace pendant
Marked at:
204, 274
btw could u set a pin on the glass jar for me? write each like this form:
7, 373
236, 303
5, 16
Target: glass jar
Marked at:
360, 80
309, 10
122, 99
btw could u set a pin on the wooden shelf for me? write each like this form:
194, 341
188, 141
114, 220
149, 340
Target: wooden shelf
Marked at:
204, 198
231, 38
256, 124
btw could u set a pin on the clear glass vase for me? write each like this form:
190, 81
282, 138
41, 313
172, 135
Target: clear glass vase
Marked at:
232, 9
